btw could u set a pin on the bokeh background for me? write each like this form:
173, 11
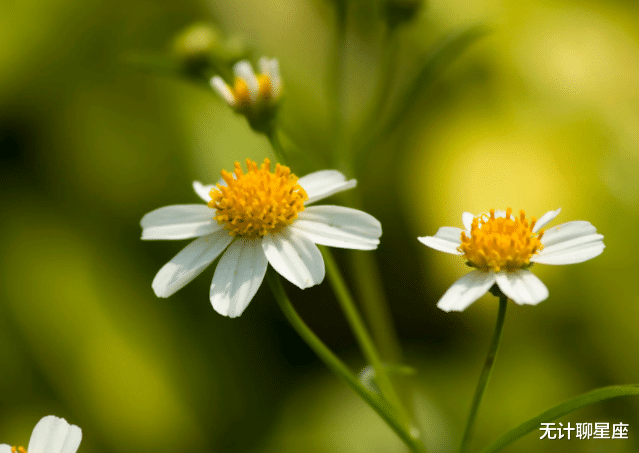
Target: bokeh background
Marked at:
104, 117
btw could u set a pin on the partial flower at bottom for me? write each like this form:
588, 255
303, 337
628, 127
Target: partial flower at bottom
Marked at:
51, 435
256, 218
501, 248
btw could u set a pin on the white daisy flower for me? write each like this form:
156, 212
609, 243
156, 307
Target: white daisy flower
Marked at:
51, 435
257, 218
501, 248
251, 91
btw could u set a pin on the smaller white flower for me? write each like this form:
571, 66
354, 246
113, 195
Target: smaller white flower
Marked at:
253, 219
51, 435
251, 92
501, 247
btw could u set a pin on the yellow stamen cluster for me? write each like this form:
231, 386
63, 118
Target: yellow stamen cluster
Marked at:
259, 201
18, 450
501, 243
242, 94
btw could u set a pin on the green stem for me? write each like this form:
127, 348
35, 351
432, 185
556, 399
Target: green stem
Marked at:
380, 405
276, 144
592, 397
363, 337
388, 64
485, 374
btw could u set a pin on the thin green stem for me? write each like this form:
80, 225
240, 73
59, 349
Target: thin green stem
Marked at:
363, 337
380, 405
276, 144
378, 106
485, 373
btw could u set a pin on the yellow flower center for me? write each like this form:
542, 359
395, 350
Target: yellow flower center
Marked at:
259, 201
18, 450
241, 90
501, 243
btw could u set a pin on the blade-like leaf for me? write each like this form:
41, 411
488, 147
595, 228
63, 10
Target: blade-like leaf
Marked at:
592, 397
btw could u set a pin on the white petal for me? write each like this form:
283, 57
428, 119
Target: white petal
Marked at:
545, 219
522, 286
204, 192
578, 253
295, 257
4, 448
337, 226
238, 276
576, 239
189, 263
223, 90
467, 220
447, 239
275, 78
72, 441
566, 232
324, 183
179, 222
49, 435
264, 65
244, 71
466, 290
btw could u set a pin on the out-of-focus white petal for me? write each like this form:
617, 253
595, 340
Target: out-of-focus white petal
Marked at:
54, 435
238, 276
72, 441
466, 290
204, 192
244, 71
189, 263
218, 84
337, 226
4, 448
467, 220
179, 222
295, 257
447, 239
575, 254
522, 286
275, 78
324, 183
545, 219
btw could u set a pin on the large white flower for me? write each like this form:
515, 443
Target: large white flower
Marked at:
256, 218
501, 247
51, 435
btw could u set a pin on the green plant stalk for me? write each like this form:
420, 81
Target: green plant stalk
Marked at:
388, 64
363, 338
485, 374
276, 144
378, 404
592, 397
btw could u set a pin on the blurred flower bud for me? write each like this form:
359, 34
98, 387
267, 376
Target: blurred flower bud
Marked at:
253, 95
400, 11
196, 43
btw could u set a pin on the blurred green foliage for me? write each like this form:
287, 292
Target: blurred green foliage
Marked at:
542, 112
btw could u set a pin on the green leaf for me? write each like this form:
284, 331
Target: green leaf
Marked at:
592, 397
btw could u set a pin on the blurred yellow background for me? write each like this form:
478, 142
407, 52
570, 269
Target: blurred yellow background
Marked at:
541, 112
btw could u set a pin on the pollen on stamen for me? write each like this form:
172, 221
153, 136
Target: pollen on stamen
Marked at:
500, 243
259, 201
18, 450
